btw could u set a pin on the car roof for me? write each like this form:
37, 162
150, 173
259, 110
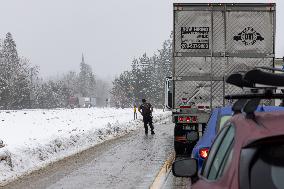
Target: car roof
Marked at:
266, 124
227, 110
272, 108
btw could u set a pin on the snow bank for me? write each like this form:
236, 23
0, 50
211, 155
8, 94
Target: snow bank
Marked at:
35, 138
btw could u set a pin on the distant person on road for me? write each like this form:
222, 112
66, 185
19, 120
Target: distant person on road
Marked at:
135, 112
146, 110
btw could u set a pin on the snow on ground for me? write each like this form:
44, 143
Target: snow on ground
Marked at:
34, 138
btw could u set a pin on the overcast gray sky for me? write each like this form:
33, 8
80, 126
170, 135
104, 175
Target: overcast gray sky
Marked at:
54, 33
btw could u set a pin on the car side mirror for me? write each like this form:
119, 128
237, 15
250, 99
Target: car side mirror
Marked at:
185, 168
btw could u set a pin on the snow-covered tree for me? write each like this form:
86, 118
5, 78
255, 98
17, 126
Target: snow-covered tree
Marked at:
51, 94
145, 80
14, 77
20, 86
87, 82
71, 81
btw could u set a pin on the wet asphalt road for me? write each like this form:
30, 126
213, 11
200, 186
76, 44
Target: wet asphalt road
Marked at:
173, 182
131, 161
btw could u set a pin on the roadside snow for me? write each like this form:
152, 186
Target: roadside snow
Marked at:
35, 138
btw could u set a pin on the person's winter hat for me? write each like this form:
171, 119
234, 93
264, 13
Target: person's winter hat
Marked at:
143, 100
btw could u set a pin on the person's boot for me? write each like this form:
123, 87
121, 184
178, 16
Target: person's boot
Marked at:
152, 132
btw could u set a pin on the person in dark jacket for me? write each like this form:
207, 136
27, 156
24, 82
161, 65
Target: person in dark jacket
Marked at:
146, 110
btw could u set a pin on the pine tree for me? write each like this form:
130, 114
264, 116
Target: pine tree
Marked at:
136, 82
144, 63
52, 94
14, 77
164, 63
71, 80
87, 82
145, 80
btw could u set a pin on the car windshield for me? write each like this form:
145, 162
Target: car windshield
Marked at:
269, 166
223, 121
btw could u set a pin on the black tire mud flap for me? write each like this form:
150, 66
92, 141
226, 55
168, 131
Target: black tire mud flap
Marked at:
179, 148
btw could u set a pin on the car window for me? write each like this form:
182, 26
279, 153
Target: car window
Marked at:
222, 154
268, 165
223, 121
213, 150
226, 161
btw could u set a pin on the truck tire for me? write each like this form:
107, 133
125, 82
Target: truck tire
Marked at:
179, 148
189, 148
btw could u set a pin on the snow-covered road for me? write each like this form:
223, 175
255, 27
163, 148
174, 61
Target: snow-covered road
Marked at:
131, 161
35, 138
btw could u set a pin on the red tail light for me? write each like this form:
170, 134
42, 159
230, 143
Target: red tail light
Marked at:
180, 119
203, 152
194, 119
187, 119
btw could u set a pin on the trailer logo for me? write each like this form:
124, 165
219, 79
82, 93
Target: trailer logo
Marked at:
248, 36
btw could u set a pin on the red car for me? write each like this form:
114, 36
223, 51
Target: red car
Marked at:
248, 152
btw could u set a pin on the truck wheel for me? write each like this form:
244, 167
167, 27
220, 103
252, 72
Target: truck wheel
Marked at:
189, 148
179, 148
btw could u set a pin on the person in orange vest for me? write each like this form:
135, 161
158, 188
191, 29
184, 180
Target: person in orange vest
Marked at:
135, 112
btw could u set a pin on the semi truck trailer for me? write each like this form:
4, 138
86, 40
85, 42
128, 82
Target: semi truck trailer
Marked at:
211, 41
